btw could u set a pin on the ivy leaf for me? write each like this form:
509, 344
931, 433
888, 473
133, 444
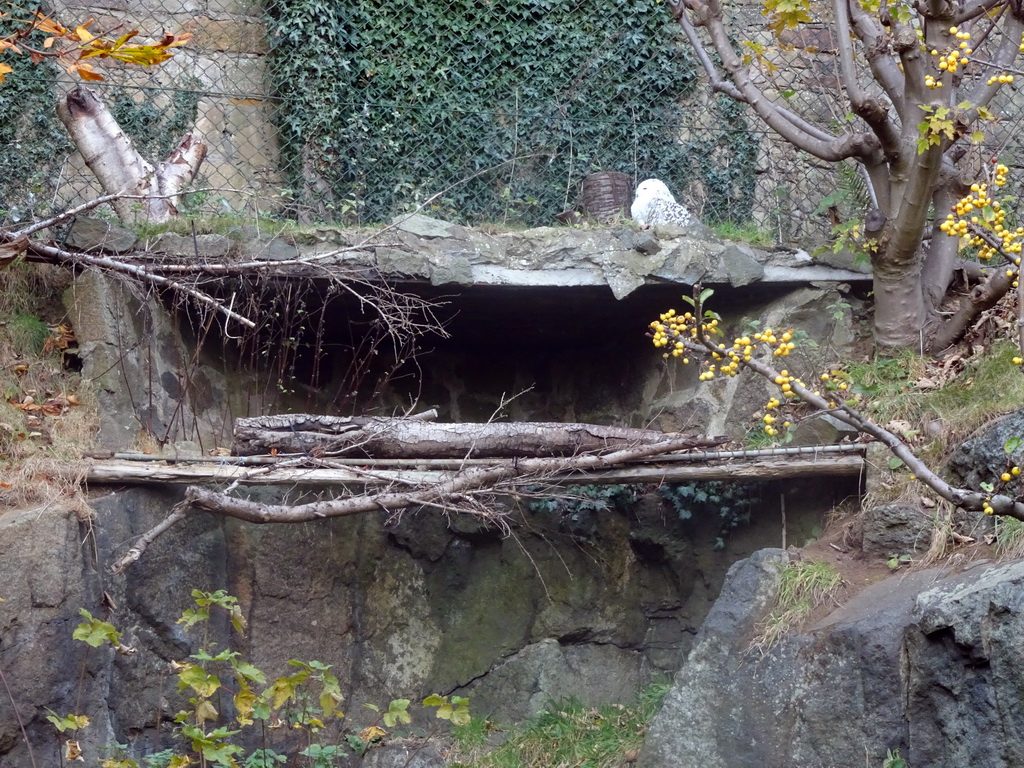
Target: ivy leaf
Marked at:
94, 632
397, 713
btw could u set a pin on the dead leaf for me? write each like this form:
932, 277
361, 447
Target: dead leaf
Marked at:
72, 751
371, 733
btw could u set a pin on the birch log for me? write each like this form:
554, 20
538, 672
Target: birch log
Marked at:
382, 437
120, 169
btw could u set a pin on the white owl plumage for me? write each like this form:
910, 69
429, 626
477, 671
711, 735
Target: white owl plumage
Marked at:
653, 205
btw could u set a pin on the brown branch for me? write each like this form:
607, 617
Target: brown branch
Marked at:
138, 549
471, 480
60, 256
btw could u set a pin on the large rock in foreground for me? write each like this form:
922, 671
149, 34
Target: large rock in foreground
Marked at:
927, 664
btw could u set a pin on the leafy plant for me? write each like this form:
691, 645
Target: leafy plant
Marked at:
304, 700
566, 89
565, 733
578, 506
731, 502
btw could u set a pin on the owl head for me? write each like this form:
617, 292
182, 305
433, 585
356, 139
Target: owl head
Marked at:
652, 189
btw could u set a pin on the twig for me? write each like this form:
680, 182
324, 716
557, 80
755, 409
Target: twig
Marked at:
104, 262
178, 513
17, 716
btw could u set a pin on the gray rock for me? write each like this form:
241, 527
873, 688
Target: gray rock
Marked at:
269, 249
896, 529
646, 243
404, 754
740, 265
822, 429
546, 671
200, 246
91, 234
926, 663
982, 457
425, 226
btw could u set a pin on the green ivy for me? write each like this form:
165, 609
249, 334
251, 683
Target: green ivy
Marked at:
34, 143
386, 103
155, 119
730, 502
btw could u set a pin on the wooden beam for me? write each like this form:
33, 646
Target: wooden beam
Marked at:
760, 468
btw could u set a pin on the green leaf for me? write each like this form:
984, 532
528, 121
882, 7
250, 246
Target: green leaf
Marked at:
199, 680
94, 632
397, 713
1011, 445
67, 723
895, 463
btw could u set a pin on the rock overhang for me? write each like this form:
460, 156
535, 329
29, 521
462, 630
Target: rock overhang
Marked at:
419, 249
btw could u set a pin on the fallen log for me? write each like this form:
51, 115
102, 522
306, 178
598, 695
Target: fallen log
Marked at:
383, 437
657, 472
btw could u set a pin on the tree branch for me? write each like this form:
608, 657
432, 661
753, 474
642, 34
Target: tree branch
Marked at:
472, 479
60, 256
859, 145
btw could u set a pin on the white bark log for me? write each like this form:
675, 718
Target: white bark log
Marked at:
657, 472
120, 169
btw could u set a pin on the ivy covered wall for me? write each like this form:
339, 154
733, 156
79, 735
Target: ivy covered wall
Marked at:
383, 104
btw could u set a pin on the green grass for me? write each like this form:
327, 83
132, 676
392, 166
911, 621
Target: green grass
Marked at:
803, 586
900, 390
748, 232
567, 733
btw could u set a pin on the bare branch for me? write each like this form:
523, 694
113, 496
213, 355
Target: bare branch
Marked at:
960, 497
869, 109
983, 93
60, 256
861, 145
492, 478
720, 84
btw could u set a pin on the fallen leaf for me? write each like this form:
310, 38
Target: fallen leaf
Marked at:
72, 751
371, 733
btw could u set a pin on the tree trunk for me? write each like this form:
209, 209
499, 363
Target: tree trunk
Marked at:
404, 437
121, 170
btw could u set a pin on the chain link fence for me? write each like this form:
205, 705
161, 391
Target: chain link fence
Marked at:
487, 113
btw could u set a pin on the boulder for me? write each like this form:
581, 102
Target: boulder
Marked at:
926, 663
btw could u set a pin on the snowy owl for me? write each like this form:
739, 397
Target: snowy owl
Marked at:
654, 206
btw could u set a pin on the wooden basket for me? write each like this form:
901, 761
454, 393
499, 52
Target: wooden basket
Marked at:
606, 196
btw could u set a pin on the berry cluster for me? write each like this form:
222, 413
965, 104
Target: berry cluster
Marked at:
951, 61
1010, 474
978, 211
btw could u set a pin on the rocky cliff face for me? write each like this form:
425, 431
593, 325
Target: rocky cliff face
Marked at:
563, 607
926, 663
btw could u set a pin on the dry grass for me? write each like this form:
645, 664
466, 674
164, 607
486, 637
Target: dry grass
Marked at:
934, 405
804, 585
48, 417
